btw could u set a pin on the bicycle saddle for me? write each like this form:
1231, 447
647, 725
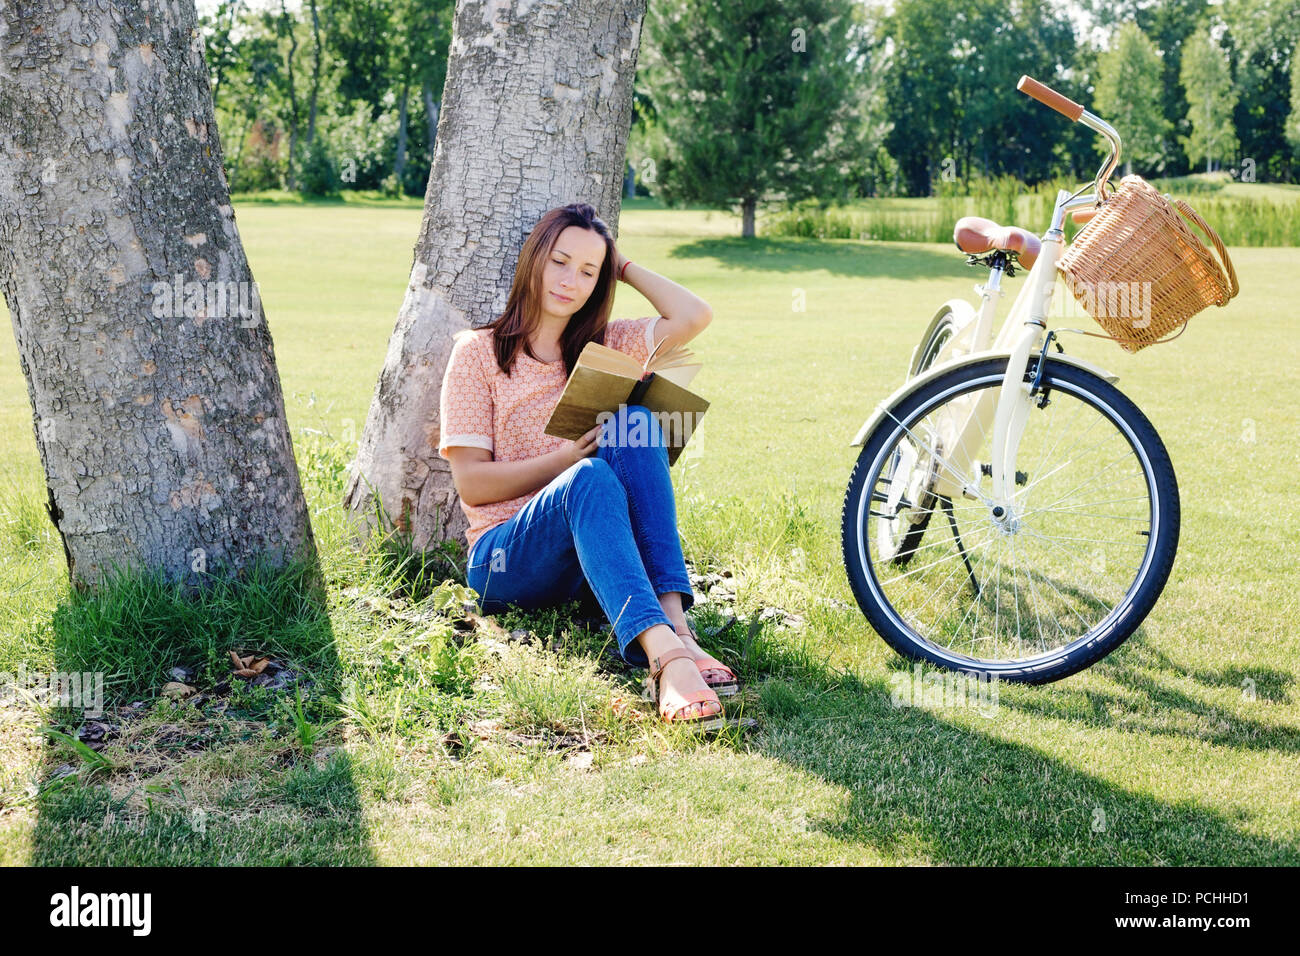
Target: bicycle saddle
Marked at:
976, 235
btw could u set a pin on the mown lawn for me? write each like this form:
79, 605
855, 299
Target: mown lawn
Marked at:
441, 741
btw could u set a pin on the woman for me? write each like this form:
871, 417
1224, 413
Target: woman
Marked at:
553, 520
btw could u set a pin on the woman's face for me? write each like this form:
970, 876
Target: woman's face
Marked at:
571, 270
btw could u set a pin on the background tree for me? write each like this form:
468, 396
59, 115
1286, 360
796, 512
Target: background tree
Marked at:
1207, 78
422, 33
1293, 120
1129, 97
286, 29
157, 407
753, 99
951, 88
1167, 24
528, 125
1262, 36
932, 96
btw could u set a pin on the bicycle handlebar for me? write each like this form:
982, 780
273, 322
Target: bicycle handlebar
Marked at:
1049, 97
1072, 110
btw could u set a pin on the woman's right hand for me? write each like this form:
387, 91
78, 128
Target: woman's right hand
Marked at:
583, 447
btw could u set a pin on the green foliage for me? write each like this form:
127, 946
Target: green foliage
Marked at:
362, 146
1262, 36
764, 101
1293, 119
1207, 78
951, 89
1239, 220
1129, 87
317, 176
753, 99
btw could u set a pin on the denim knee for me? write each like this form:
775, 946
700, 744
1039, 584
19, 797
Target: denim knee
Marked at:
594, 476
633, 426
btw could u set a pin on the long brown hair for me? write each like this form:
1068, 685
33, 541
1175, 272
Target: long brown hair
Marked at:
523, 312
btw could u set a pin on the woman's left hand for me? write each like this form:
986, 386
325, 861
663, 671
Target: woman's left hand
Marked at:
620, 260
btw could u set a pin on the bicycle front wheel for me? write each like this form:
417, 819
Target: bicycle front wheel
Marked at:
1037, 591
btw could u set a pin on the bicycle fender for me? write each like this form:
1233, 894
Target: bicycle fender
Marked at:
930, 374
961, 309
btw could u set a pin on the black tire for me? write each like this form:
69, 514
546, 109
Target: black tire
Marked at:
1127, 614
942, 328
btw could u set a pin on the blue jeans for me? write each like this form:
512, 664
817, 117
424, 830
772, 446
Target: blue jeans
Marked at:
606, 527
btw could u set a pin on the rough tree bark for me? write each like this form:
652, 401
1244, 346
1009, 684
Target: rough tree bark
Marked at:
535, 114
156, 403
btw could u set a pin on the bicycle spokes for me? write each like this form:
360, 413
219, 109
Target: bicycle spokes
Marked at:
1015, 581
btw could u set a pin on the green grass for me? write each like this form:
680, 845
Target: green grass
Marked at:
424, 738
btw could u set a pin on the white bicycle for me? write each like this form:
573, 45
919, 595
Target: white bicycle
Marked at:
1059, 496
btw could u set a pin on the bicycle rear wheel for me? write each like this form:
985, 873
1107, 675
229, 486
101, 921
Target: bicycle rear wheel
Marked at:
1048, 587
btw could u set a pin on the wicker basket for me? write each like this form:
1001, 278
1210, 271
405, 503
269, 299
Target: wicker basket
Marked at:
1139, 270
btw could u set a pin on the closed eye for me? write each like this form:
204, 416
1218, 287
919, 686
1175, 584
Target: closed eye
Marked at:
560, 262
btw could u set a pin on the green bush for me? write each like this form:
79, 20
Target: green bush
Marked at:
317, 175
1239, 222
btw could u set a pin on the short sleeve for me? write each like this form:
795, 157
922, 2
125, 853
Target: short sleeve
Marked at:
634, 337
465, 411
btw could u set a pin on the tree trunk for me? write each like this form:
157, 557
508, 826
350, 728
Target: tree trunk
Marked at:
536, 113
399, 164
293, 95
430, 116
315, 74
747, 207
156, 404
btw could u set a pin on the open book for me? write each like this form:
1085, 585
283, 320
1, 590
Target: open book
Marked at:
605, 378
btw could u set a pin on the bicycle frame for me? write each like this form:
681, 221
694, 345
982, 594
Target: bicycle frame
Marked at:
1020, 336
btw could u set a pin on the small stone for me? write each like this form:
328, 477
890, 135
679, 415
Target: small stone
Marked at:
182, 674
96, 732
580, 761
722, 593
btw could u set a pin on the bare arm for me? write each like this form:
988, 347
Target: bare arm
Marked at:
480, 480
684, 313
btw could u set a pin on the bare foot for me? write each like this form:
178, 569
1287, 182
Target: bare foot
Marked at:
679, 679
713, 674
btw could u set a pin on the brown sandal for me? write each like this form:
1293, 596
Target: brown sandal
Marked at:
705, 721
726, 687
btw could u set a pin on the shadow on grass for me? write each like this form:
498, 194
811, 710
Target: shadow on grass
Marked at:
1146, 674
232, 775
923, 787
855, 259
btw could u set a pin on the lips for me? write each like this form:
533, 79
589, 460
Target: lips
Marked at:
561, 298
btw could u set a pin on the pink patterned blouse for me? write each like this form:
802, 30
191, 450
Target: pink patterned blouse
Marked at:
483, 407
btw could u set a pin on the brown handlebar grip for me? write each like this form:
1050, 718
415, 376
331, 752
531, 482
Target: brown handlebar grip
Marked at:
1049, 97
1080, 216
